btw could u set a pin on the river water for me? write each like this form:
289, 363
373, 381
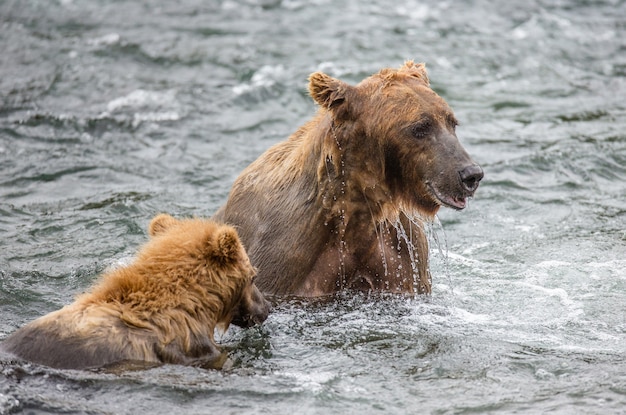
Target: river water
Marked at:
111, 112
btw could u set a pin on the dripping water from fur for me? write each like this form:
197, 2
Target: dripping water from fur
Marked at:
437, 234
406, 236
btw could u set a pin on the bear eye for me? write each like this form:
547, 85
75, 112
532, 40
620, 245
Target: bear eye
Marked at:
452, 121
422, 129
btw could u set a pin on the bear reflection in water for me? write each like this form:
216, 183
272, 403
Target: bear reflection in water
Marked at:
191, 277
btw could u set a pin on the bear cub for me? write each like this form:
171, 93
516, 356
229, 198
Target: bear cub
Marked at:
192, 276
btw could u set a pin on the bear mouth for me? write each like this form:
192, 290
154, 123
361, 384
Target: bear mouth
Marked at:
454, 202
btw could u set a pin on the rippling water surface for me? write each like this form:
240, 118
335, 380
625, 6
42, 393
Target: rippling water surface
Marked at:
111, 112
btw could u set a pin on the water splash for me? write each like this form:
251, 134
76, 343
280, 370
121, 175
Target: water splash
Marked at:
407, 238
436, 233
406, 232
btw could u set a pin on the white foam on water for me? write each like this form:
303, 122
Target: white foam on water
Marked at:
105, 40
265, 77
545, 304
119, 263
559, 293
8, 403
144, 106
311, 382
142, 98
156, 116
333, 69
463, 259
616, 267
414, 10
472, 318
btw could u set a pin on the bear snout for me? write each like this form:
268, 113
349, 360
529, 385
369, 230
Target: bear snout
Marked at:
471, 177
253, 309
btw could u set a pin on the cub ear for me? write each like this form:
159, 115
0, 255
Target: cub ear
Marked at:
227, 246
416, 70
330, 93
161, 223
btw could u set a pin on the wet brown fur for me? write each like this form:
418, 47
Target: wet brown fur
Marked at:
342, 203
192, 276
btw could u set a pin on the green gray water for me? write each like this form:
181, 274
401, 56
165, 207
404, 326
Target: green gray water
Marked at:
111, 112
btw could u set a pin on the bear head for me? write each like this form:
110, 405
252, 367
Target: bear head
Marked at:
399, 135
219, 256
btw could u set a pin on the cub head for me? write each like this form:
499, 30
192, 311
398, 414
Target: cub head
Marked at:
214, 252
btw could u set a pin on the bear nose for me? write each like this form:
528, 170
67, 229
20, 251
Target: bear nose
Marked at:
471, 176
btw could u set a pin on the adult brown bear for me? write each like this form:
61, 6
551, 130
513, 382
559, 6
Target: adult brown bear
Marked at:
192, 276
342, 202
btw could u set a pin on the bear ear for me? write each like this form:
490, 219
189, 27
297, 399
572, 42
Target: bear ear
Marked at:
161, 223
228, 245
328, 92
416, 70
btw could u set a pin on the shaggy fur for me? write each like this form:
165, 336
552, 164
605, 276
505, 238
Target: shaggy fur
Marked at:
342, 203
192, 276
